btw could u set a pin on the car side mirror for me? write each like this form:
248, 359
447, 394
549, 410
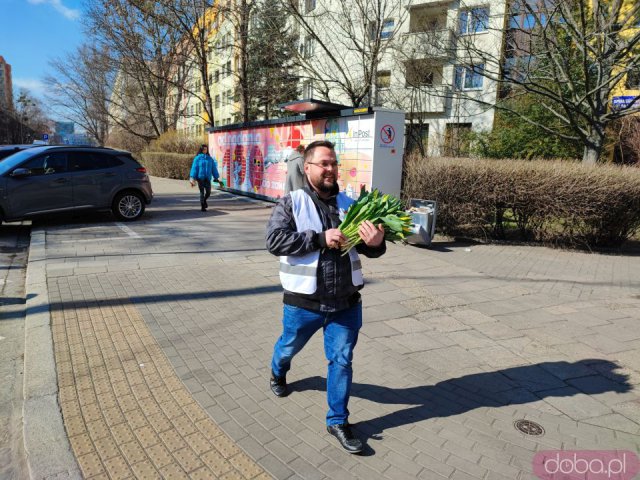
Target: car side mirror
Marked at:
21, 172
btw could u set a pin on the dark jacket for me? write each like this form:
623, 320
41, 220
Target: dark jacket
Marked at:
335, 288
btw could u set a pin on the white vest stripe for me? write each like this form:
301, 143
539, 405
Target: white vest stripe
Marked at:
298, 270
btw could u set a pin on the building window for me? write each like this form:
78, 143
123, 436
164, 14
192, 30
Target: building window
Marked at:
217, 101
309, 5
387, 28
307, 51
229, 97
383, 79
469, 77
229, 67
421, 73
417, 138
307, 89
633, 79
216, 76
457, 140
424, 19
473, 20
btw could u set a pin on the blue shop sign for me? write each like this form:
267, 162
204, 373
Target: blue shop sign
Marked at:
625, 101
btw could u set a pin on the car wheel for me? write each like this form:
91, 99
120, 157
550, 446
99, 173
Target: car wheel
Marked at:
128, 206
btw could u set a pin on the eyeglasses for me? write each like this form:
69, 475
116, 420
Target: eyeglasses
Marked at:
325, 165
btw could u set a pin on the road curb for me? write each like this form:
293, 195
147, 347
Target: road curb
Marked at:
46, 444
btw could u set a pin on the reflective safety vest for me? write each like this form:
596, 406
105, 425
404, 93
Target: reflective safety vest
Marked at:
298, 273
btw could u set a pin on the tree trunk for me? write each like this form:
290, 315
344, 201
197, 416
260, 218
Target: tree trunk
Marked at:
593, 146
591, 155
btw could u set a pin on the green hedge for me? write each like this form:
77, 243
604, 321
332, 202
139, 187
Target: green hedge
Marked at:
168, 165
551, 202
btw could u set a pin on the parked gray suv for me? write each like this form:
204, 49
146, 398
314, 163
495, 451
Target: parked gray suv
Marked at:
52, 179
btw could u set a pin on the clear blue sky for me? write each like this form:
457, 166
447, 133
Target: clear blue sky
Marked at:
34, 31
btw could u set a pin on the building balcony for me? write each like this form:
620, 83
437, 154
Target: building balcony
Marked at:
429, 99
429, 3
433, 44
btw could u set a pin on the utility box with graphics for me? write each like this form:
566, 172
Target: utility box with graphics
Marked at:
369, 144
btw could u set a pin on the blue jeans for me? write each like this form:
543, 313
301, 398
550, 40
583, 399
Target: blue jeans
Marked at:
340, 336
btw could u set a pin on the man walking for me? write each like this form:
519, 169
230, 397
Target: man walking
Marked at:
321, 286
202, 169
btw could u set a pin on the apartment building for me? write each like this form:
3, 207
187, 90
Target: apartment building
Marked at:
430, 66
427, 67
192, 117
223, 70
6, 88
221, 64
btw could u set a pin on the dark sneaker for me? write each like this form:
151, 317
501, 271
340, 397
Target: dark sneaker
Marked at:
206, 205
346, 438
278, 385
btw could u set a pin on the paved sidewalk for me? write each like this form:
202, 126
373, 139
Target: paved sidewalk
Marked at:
163, 331
14, 248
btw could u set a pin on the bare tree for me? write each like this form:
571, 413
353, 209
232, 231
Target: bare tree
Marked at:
573, 56
149, 58
80, 90
31, 117
200, 23
196, 21
238, 14
343, 43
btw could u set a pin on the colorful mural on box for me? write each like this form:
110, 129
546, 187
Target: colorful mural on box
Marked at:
253, 159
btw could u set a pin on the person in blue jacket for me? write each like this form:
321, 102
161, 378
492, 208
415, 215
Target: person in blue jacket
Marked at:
203, 168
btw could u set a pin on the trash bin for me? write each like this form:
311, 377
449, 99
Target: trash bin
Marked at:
423, 215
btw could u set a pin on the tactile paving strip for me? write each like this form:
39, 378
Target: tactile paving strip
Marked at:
126, 412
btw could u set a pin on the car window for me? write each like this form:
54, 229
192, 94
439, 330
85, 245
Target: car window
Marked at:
114, 161
128, 158
47, 164
89, 161
6, 152
12, 161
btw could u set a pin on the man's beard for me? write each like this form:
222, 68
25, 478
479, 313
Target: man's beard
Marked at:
324, 188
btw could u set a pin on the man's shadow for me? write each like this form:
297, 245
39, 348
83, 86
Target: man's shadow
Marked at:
510, 386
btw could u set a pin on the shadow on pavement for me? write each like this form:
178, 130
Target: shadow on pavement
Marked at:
163, 207
442, 246
510, 386
13, 301
161, 298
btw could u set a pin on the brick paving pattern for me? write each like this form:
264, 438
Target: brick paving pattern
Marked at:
457, 344
126, 412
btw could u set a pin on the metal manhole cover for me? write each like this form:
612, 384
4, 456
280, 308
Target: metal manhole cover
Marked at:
528, 427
